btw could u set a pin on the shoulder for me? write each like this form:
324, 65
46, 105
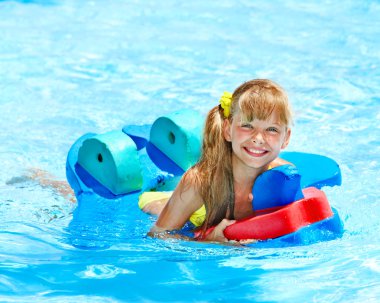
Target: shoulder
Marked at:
278, 162
188, 190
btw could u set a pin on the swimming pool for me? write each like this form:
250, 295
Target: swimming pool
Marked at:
70, 67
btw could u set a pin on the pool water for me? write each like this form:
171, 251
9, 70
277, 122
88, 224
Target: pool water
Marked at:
71, 67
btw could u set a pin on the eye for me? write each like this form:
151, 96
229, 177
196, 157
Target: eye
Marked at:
246, 125
273, 129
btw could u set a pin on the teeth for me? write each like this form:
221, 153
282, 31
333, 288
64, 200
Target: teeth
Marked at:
255, 151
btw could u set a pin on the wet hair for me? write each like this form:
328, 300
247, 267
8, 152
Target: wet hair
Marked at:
212, 175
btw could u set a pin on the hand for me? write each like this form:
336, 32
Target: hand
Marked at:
217, 234
247, 241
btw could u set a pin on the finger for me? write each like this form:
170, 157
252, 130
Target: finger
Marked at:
225, 222
230, 222
248, 241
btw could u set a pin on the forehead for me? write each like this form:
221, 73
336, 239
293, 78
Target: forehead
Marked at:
272, 118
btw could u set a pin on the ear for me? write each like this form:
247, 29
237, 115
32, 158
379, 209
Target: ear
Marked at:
227, 130
286, 139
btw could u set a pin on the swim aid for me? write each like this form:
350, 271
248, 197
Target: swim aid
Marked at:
150, 165
314, 207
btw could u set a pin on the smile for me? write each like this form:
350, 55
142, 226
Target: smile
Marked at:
255, 152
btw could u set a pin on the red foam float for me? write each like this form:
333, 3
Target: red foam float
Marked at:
277, 222
314, 207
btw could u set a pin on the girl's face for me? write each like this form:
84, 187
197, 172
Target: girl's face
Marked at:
256, 143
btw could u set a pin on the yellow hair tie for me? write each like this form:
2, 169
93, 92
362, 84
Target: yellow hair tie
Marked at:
225, 102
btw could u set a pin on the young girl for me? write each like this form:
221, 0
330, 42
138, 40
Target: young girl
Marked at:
242, 138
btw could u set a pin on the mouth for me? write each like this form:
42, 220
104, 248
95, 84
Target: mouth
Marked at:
254, 152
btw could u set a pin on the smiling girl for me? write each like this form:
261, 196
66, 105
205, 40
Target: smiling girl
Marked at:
242, 138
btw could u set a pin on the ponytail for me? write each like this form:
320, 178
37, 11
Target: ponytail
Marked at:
213, 173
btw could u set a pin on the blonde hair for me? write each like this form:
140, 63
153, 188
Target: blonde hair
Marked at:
257, 99
212, 175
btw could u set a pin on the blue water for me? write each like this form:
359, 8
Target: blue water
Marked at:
71, 67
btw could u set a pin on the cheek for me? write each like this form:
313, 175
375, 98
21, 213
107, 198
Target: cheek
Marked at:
275, 141
236, 134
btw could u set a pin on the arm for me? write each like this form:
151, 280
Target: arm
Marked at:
184, 201
182, 204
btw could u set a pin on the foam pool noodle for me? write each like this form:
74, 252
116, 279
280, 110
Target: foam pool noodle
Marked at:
178, 136
112, 159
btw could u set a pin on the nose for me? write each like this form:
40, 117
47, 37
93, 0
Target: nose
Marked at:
257, 138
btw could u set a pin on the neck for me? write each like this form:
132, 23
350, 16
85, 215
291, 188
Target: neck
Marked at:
245, 176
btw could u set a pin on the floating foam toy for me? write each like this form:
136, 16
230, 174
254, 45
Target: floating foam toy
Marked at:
136, 158
312, 208
112, 160
288, 202
181, 132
